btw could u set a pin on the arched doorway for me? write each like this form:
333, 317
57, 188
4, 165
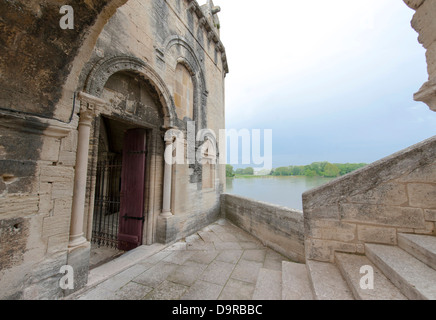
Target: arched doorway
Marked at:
125, 187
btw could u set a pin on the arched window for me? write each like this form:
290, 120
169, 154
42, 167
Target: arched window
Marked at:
184, 93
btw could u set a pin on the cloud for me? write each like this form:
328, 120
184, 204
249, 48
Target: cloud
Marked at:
333, 79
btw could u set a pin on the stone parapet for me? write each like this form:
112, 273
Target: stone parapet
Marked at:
373, 204
279, 228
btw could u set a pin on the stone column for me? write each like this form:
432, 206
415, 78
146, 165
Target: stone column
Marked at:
166, 207
88, 109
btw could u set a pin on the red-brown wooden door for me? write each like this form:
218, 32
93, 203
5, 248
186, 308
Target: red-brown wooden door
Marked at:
132, 190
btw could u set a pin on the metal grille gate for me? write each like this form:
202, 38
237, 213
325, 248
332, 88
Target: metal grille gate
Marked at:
107, 203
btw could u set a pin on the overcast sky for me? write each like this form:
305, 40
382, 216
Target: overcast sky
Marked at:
333, 79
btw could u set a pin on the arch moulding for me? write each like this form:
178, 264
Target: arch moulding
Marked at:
107, 67
192, 63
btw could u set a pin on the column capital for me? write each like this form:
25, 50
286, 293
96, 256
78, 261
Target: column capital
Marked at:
89, 106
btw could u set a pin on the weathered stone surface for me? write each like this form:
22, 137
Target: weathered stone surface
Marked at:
155, 276
280, 228
247, 271
202, 290
415, 279
268, 285
430, 215
132, 291
332, 230
167, 291
421, 174
429, 228
78, 259
326, 282
13, 240
383, 215
369, 234
378, 195
414, 4
218, 272
350, 266
128, 57
55, 225
50, 149
323, 250
295, 282
237, 290
422, 195
421, 247
230, 256
188, 273
387, 194
18, 205
424, 23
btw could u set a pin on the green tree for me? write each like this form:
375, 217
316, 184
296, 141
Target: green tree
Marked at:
230, 173
239, 171
331, 171
308, 172
249, 171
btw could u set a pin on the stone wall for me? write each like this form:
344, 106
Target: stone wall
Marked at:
279, 228
372, 205
38, 144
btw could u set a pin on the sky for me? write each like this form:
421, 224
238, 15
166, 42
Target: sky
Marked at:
333, 79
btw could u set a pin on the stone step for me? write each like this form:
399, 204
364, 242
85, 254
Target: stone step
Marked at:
327, 282
421, 247
350, 266
295, 282
268, 285
415, 279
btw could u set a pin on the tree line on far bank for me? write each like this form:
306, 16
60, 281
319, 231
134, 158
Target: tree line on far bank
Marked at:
316, 169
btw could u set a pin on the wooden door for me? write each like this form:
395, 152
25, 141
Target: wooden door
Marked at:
132, 190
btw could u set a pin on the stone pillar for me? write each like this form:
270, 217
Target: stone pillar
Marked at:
166, 206
88, 109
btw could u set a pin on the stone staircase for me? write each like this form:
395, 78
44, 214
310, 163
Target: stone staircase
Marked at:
403, 272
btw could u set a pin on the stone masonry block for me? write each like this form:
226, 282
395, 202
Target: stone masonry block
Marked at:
324, 250
401, 217
386, 194
429, 228
58, 243
18, 205
332, 230
70, 142
370, 234
430, 215
57, 174
55, 225
327, 212
50, 149
424, 174
422, 195
62, 206
67, 158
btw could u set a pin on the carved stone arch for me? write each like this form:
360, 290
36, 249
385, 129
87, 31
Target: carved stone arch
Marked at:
207, 135
193, 65
107, 67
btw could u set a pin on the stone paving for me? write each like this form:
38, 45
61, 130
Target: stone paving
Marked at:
220, 262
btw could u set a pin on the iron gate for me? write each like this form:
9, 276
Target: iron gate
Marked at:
107, 203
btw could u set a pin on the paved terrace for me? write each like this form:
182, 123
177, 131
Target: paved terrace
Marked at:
220, 262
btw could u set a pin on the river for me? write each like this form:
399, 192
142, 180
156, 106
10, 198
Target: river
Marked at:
284, 191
